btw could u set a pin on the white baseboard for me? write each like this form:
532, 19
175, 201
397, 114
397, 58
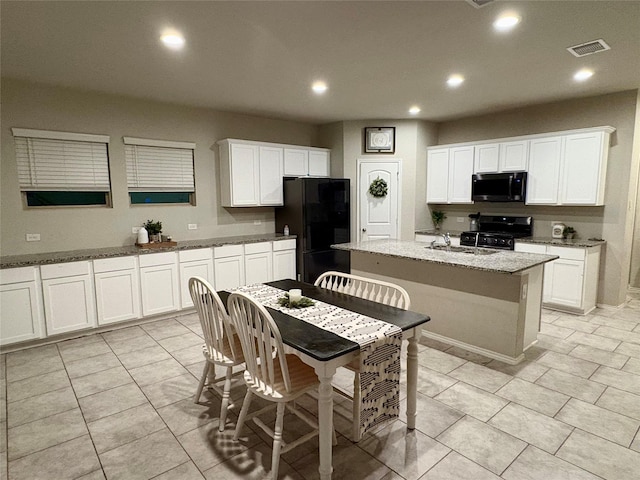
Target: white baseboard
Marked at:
474, 349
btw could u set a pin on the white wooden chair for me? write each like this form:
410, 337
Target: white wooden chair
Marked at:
271, 374
222, 347
369, 289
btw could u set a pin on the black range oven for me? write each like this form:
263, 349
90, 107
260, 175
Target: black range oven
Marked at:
497, 231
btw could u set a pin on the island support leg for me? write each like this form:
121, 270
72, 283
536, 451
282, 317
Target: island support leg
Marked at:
412, 379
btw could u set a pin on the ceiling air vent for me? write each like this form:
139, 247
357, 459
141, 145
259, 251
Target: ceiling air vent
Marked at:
479, 3
588, 48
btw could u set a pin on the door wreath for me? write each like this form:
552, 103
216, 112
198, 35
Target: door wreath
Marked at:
378, 188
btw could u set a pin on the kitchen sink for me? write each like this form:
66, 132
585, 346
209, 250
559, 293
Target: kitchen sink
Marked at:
457, 249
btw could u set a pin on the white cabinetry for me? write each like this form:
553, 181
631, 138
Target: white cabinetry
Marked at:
69, 302
296, 162
569, 169
258, 262
117, 289
571, 281
284, 259
228, 266
501, 157
318, 162
159, 281
449, 173
544, 171
250, 174
194, 263
20, 305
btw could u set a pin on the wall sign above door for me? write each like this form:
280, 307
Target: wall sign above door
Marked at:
379, 139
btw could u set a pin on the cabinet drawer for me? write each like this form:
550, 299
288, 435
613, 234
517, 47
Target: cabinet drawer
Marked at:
289, 244
114, 264
261, 247
61, 270
193, 255
154, 259
17, 275
530, 248
228, 251
567, 252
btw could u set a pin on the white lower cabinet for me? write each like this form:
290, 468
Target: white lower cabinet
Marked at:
20, 305
117, 289
258, 263
571, 281
69, 302
284, 259
228, 267
159, 282
194, 263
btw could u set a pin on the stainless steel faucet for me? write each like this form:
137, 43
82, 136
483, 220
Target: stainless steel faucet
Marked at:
445, 236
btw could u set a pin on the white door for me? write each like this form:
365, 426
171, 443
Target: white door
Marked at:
117, 296
271, 173
69, 304
581, 169
199, 268
379, 217
438, 175
20, 311
229, 272
460, 171
160, 289
244, 175
544, 171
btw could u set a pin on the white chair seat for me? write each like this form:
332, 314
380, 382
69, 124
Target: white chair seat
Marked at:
226, 356
301, 376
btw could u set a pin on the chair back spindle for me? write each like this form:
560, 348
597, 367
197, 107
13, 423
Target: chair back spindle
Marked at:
367, 288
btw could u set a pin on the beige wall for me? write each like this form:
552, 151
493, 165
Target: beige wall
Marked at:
614, 221
634, 186
49, 108
412, 138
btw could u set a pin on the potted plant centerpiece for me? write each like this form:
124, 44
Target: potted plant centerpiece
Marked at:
569, 233
154, 229
437, 217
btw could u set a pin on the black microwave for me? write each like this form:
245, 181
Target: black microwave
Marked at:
499, 187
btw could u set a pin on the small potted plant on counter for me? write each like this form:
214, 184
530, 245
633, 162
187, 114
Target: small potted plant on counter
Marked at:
154, 229
437, 217
569, 233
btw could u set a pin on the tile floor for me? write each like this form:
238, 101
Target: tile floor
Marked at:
118, 405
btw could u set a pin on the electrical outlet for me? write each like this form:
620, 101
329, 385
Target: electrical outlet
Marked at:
135, 230
257, 222
192, 226
33, 237
460, 219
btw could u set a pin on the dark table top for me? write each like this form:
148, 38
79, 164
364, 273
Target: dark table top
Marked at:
321, 344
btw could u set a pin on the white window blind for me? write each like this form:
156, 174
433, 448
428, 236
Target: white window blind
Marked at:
159, 166
61, 161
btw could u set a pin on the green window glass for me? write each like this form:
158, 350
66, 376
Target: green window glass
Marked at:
138, 198
49, 199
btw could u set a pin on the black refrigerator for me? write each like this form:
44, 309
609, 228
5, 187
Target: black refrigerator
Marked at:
317, 210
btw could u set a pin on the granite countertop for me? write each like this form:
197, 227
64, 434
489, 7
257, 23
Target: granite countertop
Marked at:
12, 261
498, 261
576, 242
560, 242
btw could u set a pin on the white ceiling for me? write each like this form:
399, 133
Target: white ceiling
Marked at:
378, 57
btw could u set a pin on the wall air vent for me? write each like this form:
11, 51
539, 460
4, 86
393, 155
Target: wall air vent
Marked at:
588, 48
479, 3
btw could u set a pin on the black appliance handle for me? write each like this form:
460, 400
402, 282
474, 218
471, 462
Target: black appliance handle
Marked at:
510, 186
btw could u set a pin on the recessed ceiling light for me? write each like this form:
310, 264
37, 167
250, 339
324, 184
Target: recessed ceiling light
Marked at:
506, 22
455, 80
173, 40
319, 87
582, 75
414, 110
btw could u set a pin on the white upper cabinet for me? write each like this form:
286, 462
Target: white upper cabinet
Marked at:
319, 163
296, 162
584, 166
252, 173
271, 171
449, 173
501, 157
544, 171
569, 169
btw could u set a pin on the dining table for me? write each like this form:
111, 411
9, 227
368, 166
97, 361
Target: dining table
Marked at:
325, 351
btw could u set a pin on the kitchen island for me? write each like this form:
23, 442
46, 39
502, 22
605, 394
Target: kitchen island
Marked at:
485, 301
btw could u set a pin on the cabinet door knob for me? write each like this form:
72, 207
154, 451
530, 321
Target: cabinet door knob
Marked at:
364, 229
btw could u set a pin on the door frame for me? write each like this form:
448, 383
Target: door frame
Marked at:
378, 159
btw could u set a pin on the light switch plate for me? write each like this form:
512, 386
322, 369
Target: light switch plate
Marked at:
33, 237
192, 226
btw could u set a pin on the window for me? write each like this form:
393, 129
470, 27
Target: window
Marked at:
159, 171
62, 168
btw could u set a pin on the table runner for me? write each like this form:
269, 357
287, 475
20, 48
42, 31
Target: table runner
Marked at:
379, 341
